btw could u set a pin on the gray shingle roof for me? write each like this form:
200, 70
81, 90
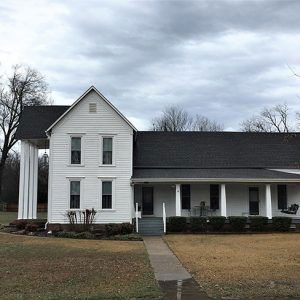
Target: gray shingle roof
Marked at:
35, 120
211, 174
216, 150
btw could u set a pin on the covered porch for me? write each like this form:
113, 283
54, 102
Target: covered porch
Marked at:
216, 198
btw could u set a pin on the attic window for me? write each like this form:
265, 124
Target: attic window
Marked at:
93, 107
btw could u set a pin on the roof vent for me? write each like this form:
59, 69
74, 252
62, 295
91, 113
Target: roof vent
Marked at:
93, 107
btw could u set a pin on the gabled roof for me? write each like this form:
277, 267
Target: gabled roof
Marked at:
92, 88
35, 120
192, 150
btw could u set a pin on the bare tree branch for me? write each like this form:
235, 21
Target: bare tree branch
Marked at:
275, 119
25, 87
175, 118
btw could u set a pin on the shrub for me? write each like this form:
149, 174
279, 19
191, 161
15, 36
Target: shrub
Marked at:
66, 234
127, 228
237, 223
177, 224
217, 223
117, 229
281, 223
258, 223
20, 224
31, 227
84, 235
198, 224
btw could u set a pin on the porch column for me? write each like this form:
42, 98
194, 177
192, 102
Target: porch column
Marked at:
223, 200
178, 200
268, 201
28, 181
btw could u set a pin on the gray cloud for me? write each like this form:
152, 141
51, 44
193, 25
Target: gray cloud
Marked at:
222, 59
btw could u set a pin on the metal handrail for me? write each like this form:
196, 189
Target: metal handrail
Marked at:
137, 217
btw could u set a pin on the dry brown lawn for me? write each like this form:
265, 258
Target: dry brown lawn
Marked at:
242, 266
53, 268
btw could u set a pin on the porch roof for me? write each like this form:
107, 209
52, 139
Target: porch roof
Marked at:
35, 120
212, 174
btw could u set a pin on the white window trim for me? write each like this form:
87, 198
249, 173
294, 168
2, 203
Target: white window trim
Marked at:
113, 190
80, 179
81, 135
113, 136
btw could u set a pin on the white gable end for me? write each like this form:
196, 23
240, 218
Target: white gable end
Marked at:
91, 125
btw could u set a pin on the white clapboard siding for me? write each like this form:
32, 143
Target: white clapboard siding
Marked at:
81, 121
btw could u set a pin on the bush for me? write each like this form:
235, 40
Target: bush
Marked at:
237, 223
66, 234
217, 223
31, 227
177, 224
84, 235
198, 224
74, 235
117, 229
258, 223
281, 223
20, 224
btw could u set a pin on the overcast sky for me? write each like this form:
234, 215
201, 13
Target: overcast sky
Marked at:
222, 59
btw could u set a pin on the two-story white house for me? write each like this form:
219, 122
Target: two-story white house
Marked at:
98, 159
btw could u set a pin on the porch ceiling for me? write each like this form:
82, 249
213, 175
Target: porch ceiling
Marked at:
205, 175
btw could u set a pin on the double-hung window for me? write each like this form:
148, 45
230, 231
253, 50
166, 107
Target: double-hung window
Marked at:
75, 194
214, 196
107, 151
76, 151
107, 188
186, 196
282, 196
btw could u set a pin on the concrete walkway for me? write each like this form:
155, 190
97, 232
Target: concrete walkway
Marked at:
165, 264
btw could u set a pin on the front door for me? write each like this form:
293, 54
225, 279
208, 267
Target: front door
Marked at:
147, 198
254, 201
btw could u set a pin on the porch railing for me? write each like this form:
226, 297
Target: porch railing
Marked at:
164, 217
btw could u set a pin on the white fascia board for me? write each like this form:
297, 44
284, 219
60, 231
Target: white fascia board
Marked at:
228, 180
92, 88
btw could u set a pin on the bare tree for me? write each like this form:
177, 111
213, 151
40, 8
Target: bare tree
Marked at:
202, 123
24, 87
175, 118
275, 119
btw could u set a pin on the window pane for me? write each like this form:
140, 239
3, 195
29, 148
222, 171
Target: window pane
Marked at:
107, 157
106, 188
75, 150
75, 202
107, 144
75, 187
76, 143
106, 201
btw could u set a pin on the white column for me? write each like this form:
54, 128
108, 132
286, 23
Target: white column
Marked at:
223, 200
28, 181
268, 201
178, 200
